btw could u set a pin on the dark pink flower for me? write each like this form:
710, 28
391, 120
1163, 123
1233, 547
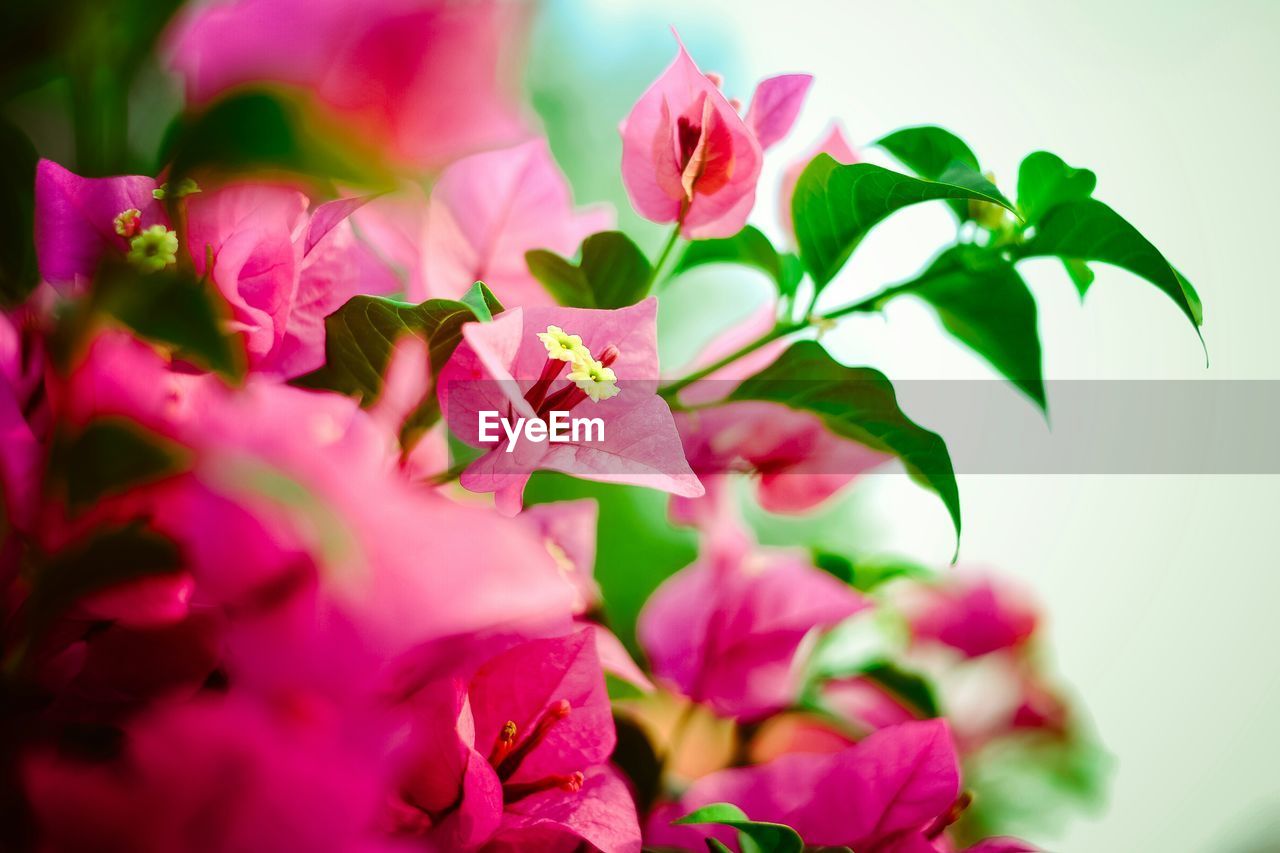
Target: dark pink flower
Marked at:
517, 754
726, 630
889, 793
970, 612
797, 461
487, 210
688, 157
79, 221
423, 80
281, 270
504, 367
214, 775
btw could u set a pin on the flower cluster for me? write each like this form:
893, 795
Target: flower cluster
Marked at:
263, 585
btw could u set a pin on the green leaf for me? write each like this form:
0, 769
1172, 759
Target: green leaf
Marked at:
613, 273
866, 573
111, 556
360, 337
857, 403
18, 273
172, 308
930, 151
910, 687
258, 130
835, 206
1080, 273
753, 836
983, 302
109, 457
1088, 230
1046, 181
482, 301
749, 248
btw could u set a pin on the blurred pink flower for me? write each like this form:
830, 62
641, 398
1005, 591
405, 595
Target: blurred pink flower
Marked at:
293, 492
75, 222
889, 793
798, 461
504, 367
423, 80
487, 210
726, 631
281, 270
833, 143
688, 157
970, 611
21, 450
516, 755
213, 775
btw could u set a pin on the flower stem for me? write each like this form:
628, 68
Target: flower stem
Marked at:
779, 331
869, 305
664, 254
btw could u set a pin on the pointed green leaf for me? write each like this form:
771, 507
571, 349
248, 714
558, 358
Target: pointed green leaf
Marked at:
834, 206
482, 301
983, 302
1088, 230
613, 273
930, 151
361, 335
1080, 273
1046, 181
857, 403
749, 248
108, 457
753, 836
172, 308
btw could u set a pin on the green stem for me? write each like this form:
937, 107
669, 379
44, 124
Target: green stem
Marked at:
447, 476
779, 331
869, 305
664, 254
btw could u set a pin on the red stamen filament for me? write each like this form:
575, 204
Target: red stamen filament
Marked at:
572, 784
571, 395
511, 763
538, 392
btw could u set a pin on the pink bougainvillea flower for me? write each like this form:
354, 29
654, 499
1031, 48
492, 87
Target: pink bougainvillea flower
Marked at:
487, 210
20, 448
280, 270
292, 490
688, 157
833, 143
971, 612
889, 793
528, 364
79, 221
798, 461
209, 776
726, 630
423, 80
516, 755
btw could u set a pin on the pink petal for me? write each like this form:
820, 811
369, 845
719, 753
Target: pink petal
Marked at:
650, 169
775, 106
75, 219
520, 685
487, 210
603, 814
